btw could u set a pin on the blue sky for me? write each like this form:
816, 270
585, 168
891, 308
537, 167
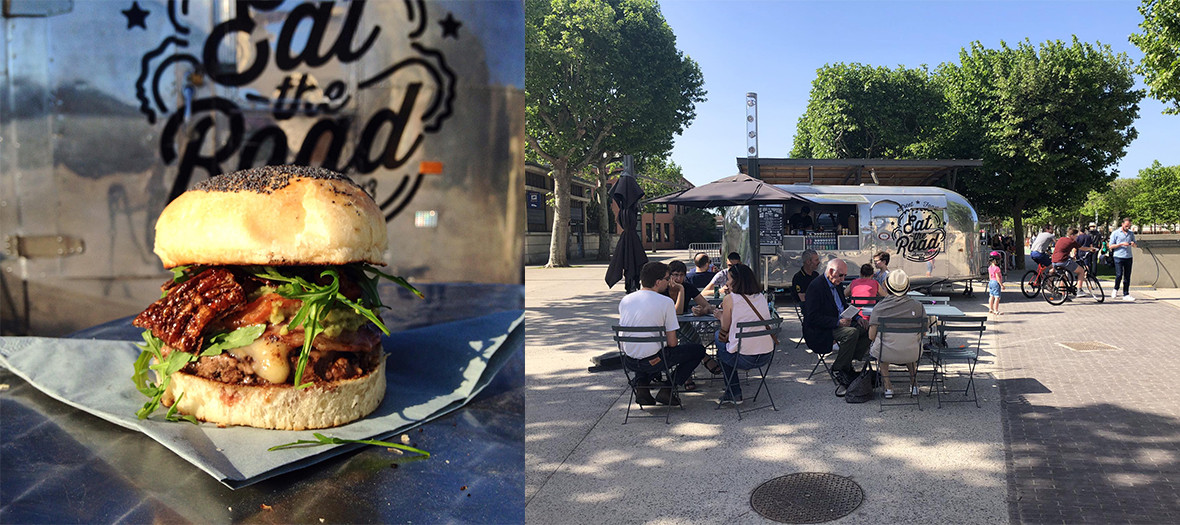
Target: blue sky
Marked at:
773, 48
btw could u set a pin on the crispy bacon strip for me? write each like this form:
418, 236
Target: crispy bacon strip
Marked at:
179, 318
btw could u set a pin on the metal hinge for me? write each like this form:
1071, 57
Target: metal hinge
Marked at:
39, 246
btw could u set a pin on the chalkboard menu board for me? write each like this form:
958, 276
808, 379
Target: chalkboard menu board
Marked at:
770, 224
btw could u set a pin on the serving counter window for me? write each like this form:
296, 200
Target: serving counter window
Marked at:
820, 227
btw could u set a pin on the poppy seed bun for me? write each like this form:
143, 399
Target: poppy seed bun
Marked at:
279, 407
273, 215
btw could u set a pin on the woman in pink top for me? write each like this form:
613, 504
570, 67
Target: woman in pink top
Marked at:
865, 290
744, 303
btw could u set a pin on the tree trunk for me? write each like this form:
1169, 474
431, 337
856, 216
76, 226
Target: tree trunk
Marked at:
559, 241
604, 220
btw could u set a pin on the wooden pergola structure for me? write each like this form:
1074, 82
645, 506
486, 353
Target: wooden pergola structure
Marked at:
885, 172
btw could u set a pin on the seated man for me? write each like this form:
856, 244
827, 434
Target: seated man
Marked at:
896, 348
1061, 255
683, 293
719, 280
649, 307
701, 275
881, 263
805, 275
822, 323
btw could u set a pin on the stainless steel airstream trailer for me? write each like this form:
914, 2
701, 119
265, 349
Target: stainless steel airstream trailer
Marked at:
110, 109
932, 233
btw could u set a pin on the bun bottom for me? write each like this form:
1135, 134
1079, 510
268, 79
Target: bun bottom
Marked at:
278, 407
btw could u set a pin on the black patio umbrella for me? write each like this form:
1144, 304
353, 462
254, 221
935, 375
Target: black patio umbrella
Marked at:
735, 190
629, 257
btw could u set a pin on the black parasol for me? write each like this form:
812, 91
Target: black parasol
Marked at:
629, 257
735, 190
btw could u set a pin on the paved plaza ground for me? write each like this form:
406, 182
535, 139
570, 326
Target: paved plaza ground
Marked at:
1062, 435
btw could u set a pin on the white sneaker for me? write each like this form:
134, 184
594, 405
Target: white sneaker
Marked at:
1116, 295
1128, 298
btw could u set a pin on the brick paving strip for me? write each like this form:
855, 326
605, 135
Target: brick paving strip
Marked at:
1093, 435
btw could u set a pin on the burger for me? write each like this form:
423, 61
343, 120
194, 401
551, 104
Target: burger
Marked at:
271, 319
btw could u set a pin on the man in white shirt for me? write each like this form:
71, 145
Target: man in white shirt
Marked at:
648, 306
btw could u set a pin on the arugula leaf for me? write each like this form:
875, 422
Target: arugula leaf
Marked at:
321, 439
241, 337
402, 282
166, 366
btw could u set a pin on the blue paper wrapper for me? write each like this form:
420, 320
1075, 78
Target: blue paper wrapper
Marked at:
430, 372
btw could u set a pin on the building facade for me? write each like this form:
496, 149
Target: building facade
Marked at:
657, 228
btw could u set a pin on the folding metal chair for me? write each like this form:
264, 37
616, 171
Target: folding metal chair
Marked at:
645, 334
799, 314
747, 330
942, 354
901, 332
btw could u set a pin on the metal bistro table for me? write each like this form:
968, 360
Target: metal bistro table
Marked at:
62, 465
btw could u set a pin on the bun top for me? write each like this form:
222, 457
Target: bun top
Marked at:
272, 215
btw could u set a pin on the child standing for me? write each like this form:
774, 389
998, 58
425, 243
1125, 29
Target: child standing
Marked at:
995, 284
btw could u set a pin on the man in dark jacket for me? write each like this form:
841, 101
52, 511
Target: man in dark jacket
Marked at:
823, 325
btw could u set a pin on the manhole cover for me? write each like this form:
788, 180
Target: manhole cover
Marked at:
807, 497
1088, 346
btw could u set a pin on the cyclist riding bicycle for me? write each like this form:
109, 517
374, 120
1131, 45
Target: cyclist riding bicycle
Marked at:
1061, 254
1042, 246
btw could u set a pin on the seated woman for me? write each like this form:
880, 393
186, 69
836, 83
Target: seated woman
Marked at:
865, 290
744, 303
896, 348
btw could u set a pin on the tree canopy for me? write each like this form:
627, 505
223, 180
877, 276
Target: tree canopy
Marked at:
1160, 42
1049, 122
1158, 198
860, 111
601, 77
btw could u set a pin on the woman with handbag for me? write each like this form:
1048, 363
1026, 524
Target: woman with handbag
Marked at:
744, 303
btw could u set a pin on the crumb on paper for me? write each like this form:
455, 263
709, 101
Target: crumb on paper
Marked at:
396, 450
265, 507
464, 487
419, 429
405, 439
6, 386
448, 461
469, 494
321, 520
393, 465
230, 508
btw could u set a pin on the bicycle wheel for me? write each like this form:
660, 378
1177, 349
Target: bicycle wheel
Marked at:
1055, 289
1029, 285
1093, 288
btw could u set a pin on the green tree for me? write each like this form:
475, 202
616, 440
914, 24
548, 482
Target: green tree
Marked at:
696, 225
597, 72
1158, 198
1160, 42
1108, 206
860, 111
1049, 122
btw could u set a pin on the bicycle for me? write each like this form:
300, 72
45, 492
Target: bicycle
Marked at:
1030, 285
1058, 286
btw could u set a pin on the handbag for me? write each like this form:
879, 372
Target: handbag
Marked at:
860, 390
760, 318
